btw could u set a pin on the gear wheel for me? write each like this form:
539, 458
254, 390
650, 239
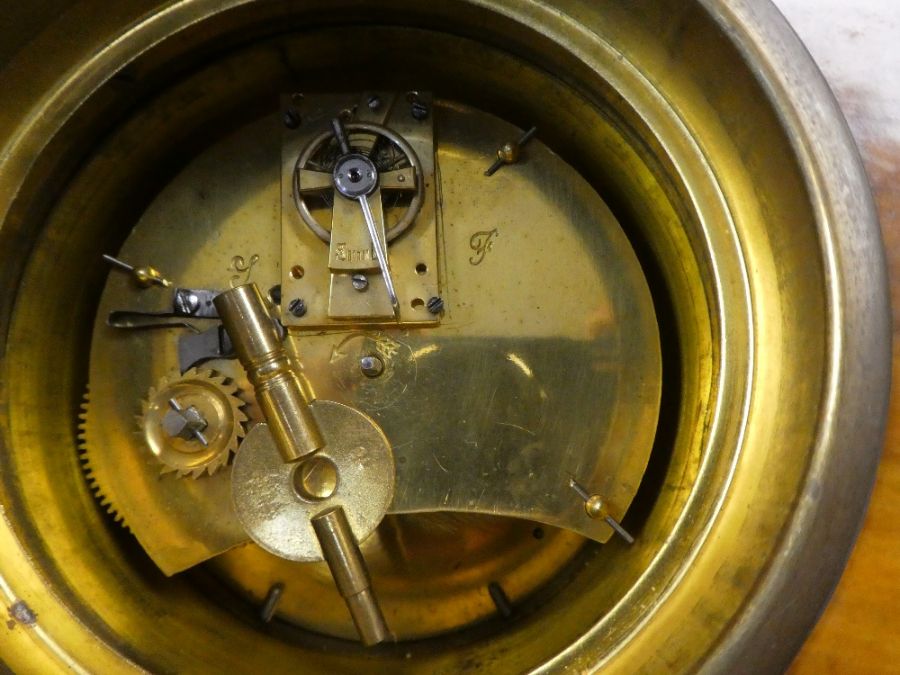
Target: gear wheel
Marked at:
90, 475
192, 423
134, 466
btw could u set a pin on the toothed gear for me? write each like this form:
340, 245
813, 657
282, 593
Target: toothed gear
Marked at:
84, 456
123, 472
204, 407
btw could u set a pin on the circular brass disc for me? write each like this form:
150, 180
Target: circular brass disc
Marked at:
266, 499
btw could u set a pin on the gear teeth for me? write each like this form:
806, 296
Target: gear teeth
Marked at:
87, 469
83, 413
225, 387
95, 476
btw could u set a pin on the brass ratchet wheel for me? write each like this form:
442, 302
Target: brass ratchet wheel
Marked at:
461, 337
192, 423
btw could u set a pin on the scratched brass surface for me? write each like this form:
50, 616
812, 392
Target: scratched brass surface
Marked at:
705, 129
546, 362
538, 371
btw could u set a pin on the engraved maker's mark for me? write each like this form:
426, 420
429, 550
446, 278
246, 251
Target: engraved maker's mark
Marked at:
481, 242
345, 254
243, 269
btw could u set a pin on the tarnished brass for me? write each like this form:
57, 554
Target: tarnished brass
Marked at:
350, 574
137, 127
430, 570
553, 372
279, 394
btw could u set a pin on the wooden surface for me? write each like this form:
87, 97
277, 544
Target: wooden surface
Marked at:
857, 45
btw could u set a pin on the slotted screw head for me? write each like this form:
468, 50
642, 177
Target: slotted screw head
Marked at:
297, 307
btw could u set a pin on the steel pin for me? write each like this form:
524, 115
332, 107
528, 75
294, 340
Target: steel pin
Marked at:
341, 135
143, 276
118, 263
501, 600
509, 152
198, 434
270, 605
595, 507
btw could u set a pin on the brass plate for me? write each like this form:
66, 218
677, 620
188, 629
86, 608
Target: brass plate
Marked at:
545, 367
547, 362
311, 270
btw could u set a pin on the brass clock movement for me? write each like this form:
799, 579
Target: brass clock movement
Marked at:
446, 337
377, 339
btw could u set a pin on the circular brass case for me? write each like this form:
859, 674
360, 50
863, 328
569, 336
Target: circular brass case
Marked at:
428, 571
717, 143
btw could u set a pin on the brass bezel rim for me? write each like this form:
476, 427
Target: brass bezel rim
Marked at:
853, 406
